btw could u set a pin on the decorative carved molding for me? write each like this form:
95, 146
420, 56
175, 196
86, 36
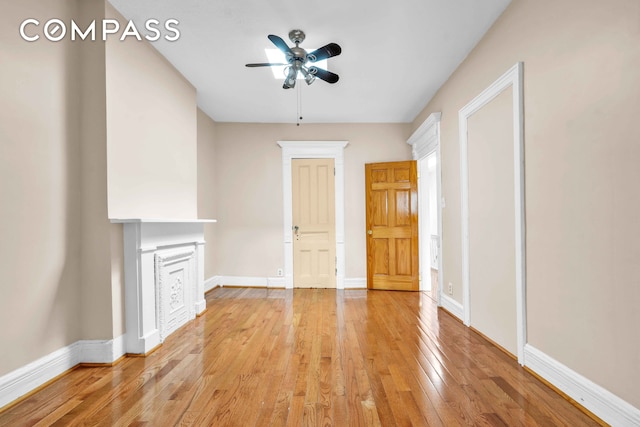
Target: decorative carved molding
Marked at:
167, 258
173, 294
176, 296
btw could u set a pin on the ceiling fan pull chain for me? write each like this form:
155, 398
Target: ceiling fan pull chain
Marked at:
299, 110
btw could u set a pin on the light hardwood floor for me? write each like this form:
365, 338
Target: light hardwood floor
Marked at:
262, 357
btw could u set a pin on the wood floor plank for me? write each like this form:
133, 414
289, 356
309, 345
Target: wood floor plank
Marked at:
262, 357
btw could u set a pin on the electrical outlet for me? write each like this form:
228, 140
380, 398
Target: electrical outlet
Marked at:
450, 288
280, 272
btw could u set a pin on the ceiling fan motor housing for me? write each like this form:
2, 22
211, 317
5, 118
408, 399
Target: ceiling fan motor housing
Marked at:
299, 54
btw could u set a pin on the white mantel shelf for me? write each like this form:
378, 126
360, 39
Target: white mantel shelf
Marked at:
159, 220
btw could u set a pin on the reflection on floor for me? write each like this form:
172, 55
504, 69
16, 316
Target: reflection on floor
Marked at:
260, 357
433, 293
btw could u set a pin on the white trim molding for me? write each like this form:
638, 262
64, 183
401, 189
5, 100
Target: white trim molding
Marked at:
601, 402
275, 282
512, 78
312, 150
424, 141
452, 306
247, 281
270, 282
100, 351
25, 379
355, 283
212, 283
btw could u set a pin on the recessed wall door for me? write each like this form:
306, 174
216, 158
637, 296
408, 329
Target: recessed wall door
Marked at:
314, 236
392, 226
492, 247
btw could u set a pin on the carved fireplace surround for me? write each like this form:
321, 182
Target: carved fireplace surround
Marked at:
164, 278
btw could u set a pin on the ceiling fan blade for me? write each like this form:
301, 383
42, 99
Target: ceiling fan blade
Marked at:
326, 51
265, 64
325, 75
280, 44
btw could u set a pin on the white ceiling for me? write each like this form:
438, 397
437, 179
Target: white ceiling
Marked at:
395, 55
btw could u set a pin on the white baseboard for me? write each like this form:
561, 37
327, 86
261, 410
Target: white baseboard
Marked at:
355, 283
29, 377
276, 282
260, 282
21, 381
212, 283
604, 404
452, 306
97, 351
269, 282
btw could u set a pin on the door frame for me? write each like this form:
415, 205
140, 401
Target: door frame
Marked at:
425, 141
512, 78
312, 150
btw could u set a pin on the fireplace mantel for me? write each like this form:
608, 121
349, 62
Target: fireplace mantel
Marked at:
164, 277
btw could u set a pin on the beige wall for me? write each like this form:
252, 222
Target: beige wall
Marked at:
152, 134
39, 188
248, 176
100, 281
581, 99
53, 175
206, 187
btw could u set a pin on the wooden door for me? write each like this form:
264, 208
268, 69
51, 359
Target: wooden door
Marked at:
314, 231
392, 226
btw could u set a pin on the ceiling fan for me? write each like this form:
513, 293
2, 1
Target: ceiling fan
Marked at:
298, 60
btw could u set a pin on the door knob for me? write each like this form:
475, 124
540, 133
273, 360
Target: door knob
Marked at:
370, 232
295, 229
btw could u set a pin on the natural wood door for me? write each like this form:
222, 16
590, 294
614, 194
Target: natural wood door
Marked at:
314, 231
392, 226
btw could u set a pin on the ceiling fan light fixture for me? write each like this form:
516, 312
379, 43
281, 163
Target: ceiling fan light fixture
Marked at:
308, 77
290, 79
298, 58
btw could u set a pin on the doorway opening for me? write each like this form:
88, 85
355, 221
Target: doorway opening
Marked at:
425, 142
313, 150
428, 215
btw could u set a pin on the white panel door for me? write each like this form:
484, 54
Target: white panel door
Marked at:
314, 238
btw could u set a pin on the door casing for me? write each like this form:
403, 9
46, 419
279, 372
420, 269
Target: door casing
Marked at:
512, 78
312, 150
424, 142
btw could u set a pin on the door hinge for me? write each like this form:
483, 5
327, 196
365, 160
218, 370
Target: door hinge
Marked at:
334, 171
336, 263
